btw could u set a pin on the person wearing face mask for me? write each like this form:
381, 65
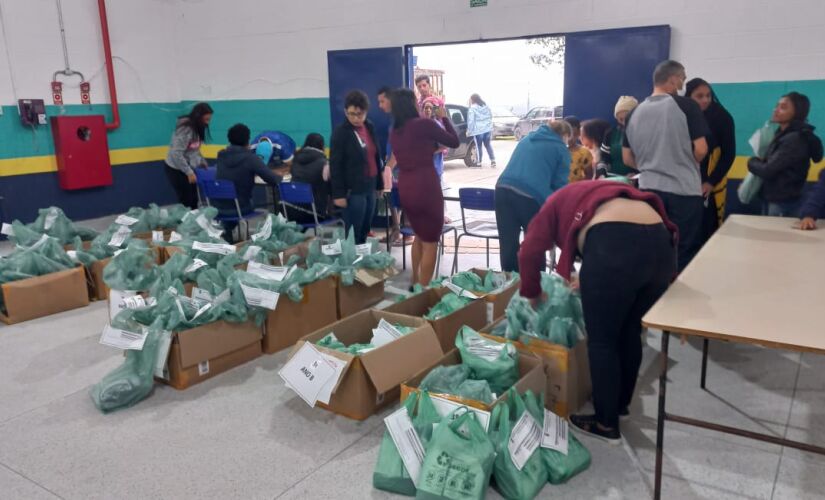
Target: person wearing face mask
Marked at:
356, 167
721, 153
665, 140
784, 169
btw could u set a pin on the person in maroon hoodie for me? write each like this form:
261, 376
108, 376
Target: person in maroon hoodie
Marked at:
628, 250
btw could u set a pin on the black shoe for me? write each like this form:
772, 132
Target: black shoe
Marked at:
587, 424
624, 414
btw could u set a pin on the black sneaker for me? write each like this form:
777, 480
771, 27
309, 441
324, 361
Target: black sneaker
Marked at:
624, 414
587, 424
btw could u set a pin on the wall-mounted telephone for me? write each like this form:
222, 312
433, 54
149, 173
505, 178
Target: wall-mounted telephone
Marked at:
32, 112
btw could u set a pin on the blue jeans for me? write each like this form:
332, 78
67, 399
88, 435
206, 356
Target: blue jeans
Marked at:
484, 139
781, 209
358, 214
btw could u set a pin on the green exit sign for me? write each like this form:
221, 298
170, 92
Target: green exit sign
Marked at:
478, 3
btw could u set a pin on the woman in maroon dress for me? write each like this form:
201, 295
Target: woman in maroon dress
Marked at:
414, 140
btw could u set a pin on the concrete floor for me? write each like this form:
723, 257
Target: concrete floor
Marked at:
244, 435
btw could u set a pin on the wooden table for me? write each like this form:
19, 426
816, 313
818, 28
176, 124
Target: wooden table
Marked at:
757, 281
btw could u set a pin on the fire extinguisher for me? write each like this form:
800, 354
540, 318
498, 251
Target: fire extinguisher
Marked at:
85, 98
57, 93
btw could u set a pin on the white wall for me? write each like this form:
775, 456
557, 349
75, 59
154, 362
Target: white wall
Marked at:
143, 35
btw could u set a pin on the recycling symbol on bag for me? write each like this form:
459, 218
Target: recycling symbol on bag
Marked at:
443, 459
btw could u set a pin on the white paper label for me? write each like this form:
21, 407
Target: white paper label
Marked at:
524, 440
164, 343
206, 226
72, 254
307, 372
201, 294
194, 266
555, 434
174, 236
446, 407
326, 391
332, 248
125, 220
251, 252
51, 217
157, 236
265, 232
258, 297
7, 229
384, 333
363, 249
407, 442
120, 236
490, 311
485, 349
203, 368
116, 298
118, 252
219, 248
459, 291
135, 302
123, 339
271, 273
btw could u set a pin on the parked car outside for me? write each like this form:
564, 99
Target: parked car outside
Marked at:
535, 117
504, 121
466, 150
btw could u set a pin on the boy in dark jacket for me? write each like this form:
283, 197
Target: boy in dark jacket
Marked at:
310, 167
239, 164
784, 168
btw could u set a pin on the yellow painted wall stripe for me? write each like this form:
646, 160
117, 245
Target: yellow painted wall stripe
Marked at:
739, 169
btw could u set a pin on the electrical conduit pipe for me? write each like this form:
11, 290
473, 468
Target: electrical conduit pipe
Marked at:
110, 70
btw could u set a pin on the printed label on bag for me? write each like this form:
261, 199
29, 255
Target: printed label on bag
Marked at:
125, 220
164, 343
51, 217
251, 252
459, 291
7, 229
363, 249
407, 441
116, 298
524, 440
555, 435
138, 302
72, 254
384, 333
174, 236
219, 248
484, 349
203, 368
157, 236
490, 311
265, 232
332, 248
446, 407
194, 266
120, 236
258, 297
123, 339
307, 372
271, 273
208, 227
325, 394
201, 294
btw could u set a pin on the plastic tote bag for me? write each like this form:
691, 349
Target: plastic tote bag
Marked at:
759, 142
459, 460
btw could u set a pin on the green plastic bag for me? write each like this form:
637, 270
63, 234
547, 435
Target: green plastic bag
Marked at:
495, 362
448, 304
459, 460
275, 234
468, 280
170, 217
53, 221
445, 379
560, 467
559, 319
477, 390
390, 473
134, 379
132, 269
512, 483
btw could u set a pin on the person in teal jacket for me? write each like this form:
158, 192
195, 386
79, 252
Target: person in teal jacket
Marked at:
539, 166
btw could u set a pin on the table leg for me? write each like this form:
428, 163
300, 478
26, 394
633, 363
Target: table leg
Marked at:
705, 343
660, 423
389, 215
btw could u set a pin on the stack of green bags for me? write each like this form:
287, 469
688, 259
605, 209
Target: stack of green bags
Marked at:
559, 319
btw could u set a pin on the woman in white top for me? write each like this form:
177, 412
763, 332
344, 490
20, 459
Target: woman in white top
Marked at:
480, 126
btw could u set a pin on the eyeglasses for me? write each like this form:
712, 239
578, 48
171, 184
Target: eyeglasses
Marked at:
356, 114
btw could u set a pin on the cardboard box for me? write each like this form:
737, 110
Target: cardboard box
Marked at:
568, 371
500, 298
365, 292
531, 377
292, 320
44, 295
446, 328
371, 381
201, 353
98, 289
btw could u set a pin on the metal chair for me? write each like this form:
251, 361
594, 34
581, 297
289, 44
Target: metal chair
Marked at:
220, 189
204, 175
479, 200
295, 194
405, 231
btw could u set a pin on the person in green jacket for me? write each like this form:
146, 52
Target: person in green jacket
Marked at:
612, 148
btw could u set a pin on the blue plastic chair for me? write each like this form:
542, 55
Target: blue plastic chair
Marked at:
405, 231
220, 189
298, 195
479, 200
204, 175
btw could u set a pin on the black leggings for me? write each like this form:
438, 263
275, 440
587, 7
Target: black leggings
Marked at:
187, 193
625, 269
513, 214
